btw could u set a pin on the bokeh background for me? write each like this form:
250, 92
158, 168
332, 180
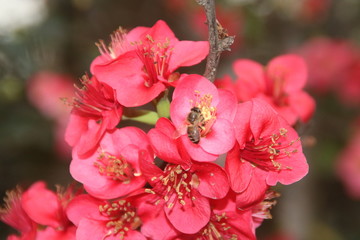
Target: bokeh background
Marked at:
46, 45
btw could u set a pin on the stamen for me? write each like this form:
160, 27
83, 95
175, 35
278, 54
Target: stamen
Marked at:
175, 182
266, 152
155, 56
122, 217
116, 168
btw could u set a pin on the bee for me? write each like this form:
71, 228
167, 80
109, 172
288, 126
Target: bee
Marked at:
195, 120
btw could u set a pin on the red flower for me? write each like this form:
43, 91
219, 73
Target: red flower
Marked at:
268, 151
280, 84
225, 222
95, 110
144, 61
36, 207
112, 171
100, 219
184, 194
14, 215
203, 117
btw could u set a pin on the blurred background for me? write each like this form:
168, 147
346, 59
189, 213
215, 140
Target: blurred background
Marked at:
46, 45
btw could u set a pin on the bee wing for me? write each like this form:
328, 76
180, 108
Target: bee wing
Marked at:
180, 131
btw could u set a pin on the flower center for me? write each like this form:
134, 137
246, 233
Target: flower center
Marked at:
93, 99
175, 185
267, 151
122, 217
217, 229
202, 115
115, 168
155, 56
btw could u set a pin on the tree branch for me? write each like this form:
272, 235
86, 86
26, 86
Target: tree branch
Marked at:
219, 40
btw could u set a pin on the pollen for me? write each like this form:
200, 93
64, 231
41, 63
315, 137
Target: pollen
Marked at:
208, 112
267, 152
155, 56
122, 217
218, 229
115, 168
176, 183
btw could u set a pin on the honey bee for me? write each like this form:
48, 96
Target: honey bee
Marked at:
195, 120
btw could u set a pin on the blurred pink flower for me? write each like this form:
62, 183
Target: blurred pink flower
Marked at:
348, 165
45, 90
39, 213
348, 89
313, 10
327, 60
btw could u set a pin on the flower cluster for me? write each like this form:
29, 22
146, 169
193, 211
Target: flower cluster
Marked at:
205, 170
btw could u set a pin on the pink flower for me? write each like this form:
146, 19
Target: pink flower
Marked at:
348, 88
226, 222
167, 147
184, 194
36, 207
95, 110
203, 117
327, 60
348, 163
268, 151
113, 170
45, 89
280, 84
15, 216
144, 61
100, 219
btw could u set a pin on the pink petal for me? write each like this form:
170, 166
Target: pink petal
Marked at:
188, 53
227, 105
255, 192
164, 146
194, 82
155, 223
221, 138
113, 189
136, 34
196, 152
250, 79
148, 167
84, 206
303, 104
50, 233
291, 69
161, 31
239, 171
196, 213
92, 229
242, 122
76, 126
213, 180
90, 139
264, 119
42, 205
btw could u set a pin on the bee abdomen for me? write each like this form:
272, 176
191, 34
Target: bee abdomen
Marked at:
193, 134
